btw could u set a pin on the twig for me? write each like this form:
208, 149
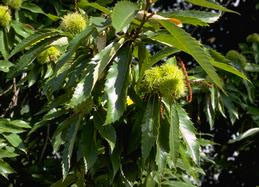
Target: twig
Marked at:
14, 100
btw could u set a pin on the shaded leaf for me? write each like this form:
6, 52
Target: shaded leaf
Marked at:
95, 69
116, 85
150, 125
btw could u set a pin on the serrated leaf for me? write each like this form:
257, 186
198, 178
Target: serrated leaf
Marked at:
173, 120
40, 35
194, 17
123, 13
28, 57
188, 132
116, 85
210, 4
149, 127
70, 138
95, 69
74, 45
87, 146
228, 68
36, 9
183, 41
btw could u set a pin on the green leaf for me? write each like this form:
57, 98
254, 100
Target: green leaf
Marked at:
116, 84
247, 134
69, 180
3, 44
210, 4
194, 17
152, 60
5, 65
228, 68
15, 141
21, 29
87, 146
116, 161
36, 9
5, 169
29, 57
149, 128
107, 132
32, 39
95, 69
85, 4
20, 123
74, 44
70, 139
183, 41
7, 154
173, 120
6, 126
188, 132
123, 13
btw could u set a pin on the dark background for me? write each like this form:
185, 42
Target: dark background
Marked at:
236, 165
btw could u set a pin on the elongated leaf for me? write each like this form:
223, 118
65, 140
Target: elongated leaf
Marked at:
40, 35
150, 125
7, 154
183, 41
210, 4
95, 69
5, 126
173, 120
36, 9
194, 17
116, 85
28, 58
247, 134
15, 141
70, 139
167, 51
3, 44
74, 45
85, 4
107, 132
228, 68
122, 14
5, 169
188, 132
87, 147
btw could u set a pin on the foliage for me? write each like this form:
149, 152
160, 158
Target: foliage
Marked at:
82, 129
235, 115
